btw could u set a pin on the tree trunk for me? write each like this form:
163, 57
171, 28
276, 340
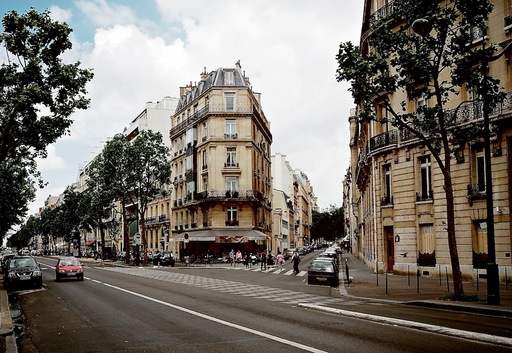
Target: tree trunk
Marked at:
458, 288
126, 237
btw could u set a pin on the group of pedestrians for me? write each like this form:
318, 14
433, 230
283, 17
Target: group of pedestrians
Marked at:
266, 259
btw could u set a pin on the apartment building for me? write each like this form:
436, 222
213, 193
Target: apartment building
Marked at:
156, 117
294, 202
397, 206
220, 162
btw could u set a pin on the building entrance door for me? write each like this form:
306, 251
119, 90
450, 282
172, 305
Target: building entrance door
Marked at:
390, 247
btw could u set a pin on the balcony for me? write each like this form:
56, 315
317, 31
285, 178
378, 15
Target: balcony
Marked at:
231, 165
231, 136
386, 139
232, 222
421, 197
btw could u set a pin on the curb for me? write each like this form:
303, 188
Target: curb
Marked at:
6, 327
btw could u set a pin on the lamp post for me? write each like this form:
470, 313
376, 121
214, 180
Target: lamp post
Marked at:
493, 280
423, 27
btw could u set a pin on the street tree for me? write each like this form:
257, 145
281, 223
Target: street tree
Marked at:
39, 92
109, 181
328, 224
149, 172
435, 66
26, 234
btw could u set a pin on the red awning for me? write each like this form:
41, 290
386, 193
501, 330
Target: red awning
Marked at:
89, 243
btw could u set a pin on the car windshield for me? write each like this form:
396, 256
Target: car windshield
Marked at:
69, 262
321, 266
23, 262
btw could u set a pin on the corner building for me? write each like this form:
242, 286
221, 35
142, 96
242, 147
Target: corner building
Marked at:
220, 162
397, 207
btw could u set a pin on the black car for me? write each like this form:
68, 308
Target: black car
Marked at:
323, 272
23, 272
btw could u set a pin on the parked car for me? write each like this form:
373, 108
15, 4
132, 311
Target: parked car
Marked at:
323, 272
23, 272
4, 260
167, 260
301, 250
69, 267
289, 253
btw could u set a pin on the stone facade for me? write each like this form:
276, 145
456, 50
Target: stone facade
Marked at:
395, 199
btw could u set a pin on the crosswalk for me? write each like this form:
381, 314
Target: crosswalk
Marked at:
273, 270
234, 287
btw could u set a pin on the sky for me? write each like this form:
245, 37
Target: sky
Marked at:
144, 50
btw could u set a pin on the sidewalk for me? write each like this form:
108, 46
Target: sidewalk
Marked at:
423, 291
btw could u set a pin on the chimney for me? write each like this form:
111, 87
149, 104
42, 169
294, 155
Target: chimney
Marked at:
204, 74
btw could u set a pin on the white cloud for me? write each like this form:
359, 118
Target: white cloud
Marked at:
52, 162
287, 48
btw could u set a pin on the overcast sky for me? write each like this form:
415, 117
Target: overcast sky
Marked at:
144, 50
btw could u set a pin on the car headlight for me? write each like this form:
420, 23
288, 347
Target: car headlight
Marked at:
37, 273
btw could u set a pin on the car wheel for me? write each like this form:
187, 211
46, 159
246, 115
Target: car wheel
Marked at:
57, 278
81, 278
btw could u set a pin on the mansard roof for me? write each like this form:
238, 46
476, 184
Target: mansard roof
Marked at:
216, 78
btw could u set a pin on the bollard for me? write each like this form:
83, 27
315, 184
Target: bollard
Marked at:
440, 277
347, 272
377, 272
386, 282
447, 280
477, 281
418, 280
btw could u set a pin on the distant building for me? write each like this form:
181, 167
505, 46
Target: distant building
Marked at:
294, 202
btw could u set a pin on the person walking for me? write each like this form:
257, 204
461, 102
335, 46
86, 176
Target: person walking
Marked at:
238, 257
270, 260
296, 262
231, 257
280, 259
263, 259
247, 260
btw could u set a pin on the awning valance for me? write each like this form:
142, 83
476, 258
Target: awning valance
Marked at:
223, 235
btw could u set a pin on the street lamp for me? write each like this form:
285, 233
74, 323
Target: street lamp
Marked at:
423, 27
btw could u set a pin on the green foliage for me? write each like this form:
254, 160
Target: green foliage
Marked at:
38, 94
328, 224
435, 66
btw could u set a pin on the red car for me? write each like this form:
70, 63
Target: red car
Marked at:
69, 267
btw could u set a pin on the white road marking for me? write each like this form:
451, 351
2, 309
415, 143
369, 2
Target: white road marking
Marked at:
219, 321
475, 336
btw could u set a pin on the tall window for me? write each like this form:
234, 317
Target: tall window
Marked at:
230, 129
232, 215
427, 246
480, 250
204, 131
231, 157
388, 197
232, 183
204, 158
425, 179
229, 101
229, 78
480, 169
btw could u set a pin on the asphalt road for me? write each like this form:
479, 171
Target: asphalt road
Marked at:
211, 310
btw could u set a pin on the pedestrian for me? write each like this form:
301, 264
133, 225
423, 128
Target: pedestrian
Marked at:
238, 257
263, 259
247, 260
280, 259
231, 257
296, 262
270, 260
